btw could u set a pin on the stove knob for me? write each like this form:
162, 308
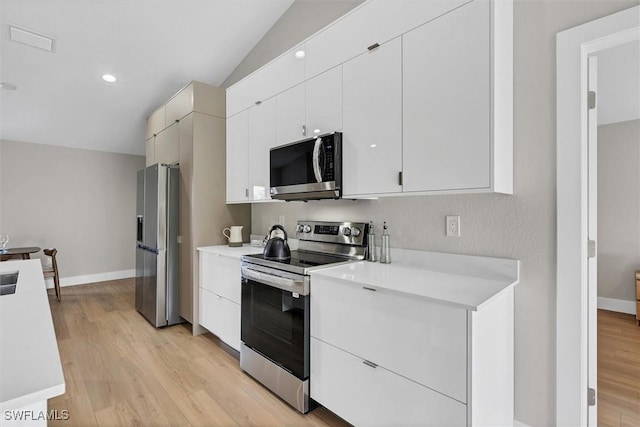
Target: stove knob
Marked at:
306, 228
355, 231
346, 231
299, 228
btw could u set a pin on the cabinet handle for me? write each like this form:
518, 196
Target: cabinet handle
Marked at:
246, 192
258, 102
304, 130
368, 288
374, 46
400, 178
373, 365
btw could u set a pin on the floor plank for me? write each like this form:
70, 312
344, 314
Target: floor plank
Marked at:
120, 371
618, 370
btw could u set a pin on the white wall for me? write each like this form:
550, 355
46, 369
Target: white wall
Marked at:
82, 202
522, 226
618, 209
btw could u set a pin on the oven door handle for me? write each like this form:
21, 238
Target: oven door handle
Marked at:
284, 283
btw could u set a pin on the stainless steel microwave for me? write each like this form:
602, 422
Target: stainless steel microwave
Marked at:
309, 169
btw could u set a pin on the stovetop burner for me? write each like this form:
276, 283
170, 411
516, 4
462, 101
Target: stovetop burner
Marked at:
321, 244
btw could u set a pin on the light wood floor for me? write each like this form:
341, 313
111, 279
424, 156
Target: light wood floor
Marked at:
618, 370
120, 371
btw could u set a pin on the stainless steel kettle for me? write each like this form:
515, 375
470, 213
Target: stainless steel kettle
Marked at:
277, 248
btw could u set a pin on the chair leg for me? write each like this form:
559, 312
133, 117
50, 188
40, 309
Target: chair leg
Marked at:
56, 283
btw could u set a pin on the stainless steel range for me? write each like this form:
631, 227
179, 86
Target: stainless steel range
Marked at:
275, 306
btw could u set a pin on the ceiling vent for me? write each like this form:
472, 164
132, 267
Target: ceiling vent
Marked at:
30, 38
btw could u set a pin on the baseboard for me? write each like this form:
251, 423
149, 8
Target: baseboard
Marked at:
618, 305
93, 278
517, 423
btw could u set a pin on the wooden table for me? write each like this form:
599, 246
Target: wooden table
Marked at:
24, 253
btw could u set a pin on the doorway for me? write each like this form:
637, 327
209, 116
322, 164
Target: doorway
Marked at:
576, 383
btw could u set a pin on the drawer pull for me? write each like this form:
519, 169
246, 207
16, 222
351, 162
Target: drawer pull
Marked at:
373, 365
368, 288
373, 46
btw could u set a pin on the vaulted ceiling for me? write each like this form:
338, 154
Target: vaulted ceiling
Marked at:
153, 48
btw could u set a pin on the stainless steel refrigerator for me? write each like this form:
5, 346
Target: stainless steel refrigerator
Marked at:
157, 274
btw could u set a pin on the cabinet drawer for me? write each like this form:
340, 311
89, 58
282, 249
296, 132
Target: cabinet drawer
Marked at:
221, 317
220, 275
418, 339
364, 395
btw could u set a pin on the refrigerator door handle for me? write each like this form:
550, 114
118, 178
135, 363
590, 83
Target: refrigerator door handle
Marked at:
140, 226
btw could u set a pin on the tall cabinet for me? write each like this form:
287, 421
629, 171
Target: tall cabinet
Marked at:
189, 130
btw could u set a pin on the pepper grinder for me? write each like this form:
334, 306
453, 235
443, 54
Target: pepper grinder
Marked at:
371, 242
385, 251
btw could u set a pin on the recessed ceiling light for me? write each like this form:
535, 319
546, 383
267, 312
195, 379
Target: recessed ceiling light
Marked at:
8, 86
109, 78
299, 54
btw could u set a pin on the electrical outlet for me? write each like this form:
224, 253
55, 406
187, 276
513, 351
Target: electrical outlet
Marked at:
281, 220
452, 224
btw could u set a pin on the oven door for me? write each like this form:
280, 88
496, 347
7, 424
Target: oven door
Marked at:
275, 319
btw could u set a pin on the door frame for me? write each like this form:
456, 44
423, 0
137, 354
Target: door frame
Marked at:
573, 47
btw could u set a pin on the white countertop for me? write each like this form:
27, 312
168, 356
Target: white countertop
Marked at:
29, 358
236, 253
461, 280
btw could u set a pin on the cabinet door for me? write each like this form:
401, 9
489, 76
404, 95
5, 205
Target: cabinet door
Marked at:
324, 102
180, 105
150, 151
291, 115
372, 396
372, 121
262, 136
167, 148
221, 317
373, 22
237, 158
155, 122
421, 340
220, 275
447, 102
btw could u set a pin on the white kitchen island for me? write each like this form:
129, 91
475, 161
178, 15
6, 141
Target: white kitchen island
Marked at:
30, 368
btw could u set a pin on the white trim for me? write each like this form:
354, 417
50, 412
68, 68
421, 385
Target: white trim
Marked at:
573, 48
617, 305
517, 423
92, 278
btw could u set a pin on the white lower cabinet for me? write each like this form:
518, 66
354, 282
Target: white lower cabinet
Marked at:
369, 395
219, 300
221, 317
381, 323
382, 357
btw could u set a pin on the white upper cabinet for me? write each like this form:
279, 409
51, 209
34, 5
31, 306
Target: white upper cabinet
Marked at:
452, 137
324, 102
275, 77
237, 158
422, 91
291, 115
262, 137
372, 121
376, 21
311, 109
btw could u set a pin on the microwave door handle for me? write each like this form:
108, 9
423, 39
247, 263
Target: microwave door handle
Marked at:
316, 160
